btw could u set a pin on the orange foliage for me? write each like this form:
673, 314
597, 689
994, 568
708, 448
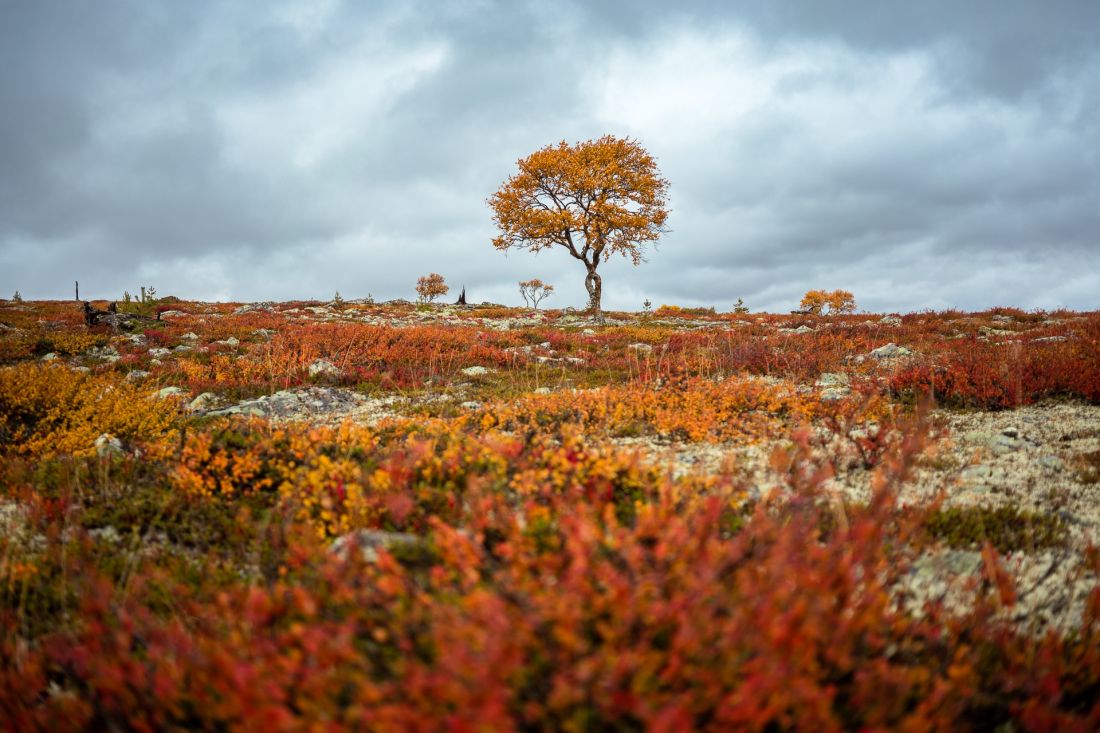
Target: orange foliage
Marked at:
430, 287
594, 199
49, 410
837, 301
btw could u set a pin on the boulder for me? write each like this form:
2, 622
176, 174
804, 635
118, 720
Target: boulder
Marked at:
167, 392
324, 368
204, 401
369, 542
890, 351
108, 445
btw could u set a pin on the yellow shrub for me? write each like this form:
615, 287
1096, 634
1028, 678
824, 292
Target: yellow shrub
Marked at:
48, 410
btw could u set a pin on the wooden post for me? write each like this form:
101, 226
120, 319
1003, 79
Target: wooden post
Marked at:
77, 284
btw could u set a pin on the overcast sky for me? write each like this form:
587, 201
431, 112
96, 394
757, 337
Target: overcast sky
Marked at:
921, 154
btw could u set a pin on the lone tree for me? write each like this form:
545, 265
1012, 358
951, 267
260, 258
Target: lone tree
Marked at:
839, 302
595, 199
431, 286
535, 291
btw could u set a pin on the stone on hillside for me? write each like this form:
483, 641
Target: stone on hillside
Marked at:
189, 336
1052, 463
324, 368
832, 379
159, 352
976, 476
313, 403
107, 445
231, 342
370, 541
105, 353
543, 390
1002, 444
800, 330
50, 357
204, 401
477, 371
646, 348
890, 320
833, 385
167, 392
137, 374
890, 351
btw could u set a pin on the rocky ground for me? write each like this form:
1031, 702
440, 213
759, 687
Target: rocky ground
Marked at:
1041, 458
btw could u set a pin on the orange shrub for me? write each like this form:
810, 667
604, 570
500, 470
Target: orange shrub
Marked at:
49, 410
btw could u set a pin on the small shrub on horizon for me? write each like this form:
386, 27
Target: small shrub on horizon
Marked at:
431, 286
535, 291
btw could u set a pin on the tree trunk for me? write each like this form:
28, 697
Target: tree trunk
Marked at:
594, 285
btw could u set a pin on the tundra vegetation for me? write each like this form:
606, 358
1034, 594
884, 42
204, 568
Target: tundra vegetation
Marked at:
374, 516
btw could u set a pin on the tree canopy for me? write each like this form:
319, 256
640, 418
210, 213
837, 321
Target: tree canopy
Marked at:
594, 199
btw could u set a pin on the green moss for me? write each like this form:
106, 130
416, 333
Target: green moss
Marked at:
1009, 529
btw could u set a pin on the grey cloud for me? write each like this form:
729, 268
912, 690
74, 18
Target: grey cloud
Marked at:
285, 151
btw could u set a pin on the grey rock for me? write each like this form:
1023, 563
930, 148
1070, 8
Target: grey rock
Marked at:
977, 475
167, 392
832, 394
646, 348
476, 371
182, 348
324, 368
369, 542
832, 379
159, 352
50, 357
190, 336
107, 445
470, 405
105, 534
890, 351
543, 390
1052, 463
105, 353
248, 308
890, 320
311, 403
204, 401
137, 374
1003, 444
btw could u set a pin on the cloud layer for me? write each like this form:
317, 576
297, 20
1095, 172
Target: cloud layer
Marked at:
922, 157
